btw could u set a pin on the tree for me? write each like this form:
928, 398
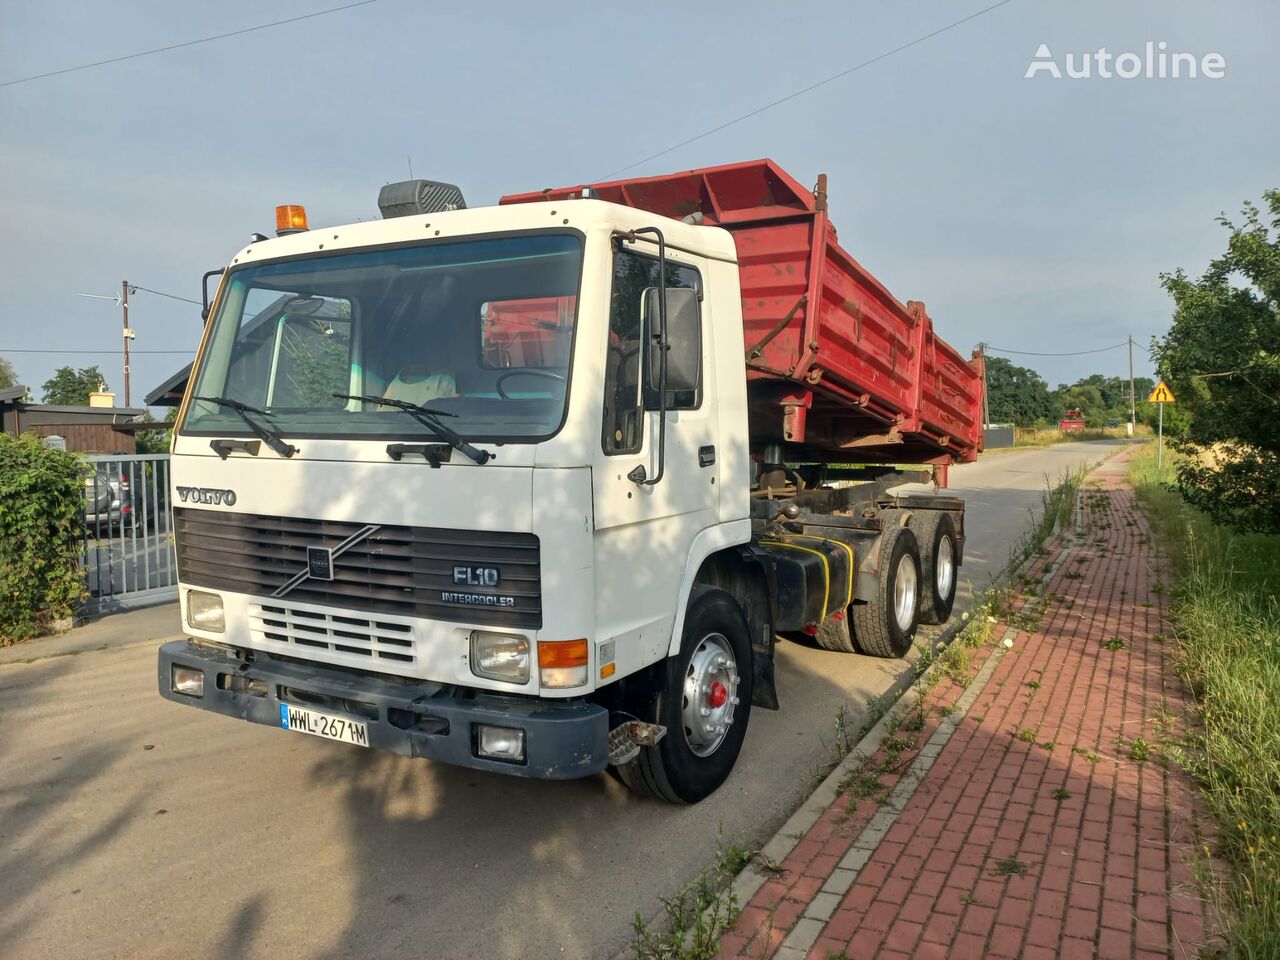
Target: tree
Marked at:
8, 377
155, 441
1085, 397
1016, 394
1221, 357
70, 387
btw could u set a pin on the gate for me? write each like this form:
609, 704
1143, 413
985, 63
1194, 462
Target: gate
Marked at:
128, 558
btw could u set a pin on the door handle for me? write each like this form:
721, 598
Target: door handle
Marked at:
706, 456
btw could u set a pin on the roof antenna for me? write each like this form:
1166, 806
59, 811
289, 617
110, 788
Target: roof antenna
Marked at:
409, 157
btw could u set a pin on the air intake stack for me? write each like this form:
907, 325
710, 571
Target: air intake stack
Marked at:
410, 198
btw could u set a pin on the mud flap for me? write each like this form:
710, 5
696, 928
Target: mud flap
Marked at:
763, 691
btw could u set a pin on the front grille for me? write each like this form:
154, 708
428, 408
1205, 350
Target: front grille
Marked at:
396, 569
338, 633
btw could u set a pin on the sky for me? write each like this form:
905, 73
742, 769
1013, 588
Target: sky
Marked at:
1032, 214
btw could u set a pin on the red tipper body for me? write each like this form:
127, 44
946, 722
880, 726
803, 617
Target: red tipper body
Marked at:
834, 361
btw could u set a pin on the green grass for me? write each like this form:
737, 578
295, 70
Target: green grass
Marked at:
1029, 437
1226, 609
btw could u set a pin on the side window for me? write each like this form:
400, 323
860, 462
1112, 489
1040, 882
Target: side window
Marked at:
624, 401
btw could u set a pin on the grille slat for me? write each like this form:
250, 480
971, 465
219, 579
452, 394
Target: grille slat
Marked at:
396, 570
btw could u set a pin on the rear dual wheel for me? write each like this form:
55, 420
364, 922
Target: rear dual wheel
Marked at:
938, 565
885, 626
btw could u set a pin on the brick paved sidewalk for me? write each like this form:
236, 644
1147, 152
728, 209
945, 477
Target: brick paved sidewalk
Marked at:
1025, 814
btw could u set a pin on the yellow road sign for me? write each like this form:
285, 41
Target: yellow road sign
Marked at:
1161, 394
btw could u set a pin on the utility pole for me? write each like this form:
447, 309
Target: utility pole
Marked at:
128, 334
986, 409
1133, 403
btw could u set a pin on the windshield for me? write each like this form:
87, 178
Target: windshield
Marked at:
480, 331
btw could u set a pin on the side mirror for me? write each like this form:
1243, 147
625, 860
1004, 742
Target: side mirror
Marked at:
204, 284
684, 339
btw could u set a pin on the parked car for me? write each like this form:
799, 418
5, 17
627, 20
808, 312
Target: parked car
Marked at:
108, 501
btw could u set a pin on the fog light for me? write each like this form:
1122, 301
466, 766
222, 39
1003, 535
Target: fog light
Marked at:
186, 681
500, 656
499, 743
204, 611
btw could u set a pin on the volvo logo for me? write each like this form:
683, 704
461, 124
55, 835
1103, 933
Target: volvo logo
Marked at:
219, 498
320, 560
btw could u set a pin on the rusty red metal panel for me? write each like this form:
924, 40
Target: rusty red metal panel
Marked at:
872, 375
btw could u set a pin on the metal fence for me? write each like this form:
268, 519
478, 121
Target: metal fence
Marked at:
128, 557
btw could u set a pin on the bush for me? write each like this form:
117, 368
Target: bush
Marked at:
41, 516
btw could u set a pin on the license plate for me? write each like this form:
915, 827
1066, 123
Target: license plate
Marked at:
323, 725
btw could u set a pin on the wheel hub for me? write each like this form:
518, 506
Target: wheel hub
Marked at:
946, 567
904, 593
710, 694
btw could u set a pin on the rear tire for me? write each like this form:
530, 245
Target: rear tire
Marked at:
835, 633
705, 704
938, 572
885, 626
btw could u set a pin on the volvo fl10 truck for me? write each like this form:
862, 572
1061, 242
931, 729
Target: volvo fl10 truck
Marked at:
534, 488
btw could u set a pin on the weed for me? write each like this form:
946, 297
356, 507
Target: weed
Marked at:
913, 722
1139, 750
1027, 735
1034, 684
698, 914
1048, 745
1115, 643
1088, 754
1062, 793
1011, 867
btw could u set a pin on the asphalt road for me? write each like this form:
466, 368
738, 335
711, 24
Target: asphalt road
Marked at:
132, 827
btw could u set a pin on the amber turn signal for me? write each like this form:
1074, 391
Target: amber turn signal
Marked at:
562, 653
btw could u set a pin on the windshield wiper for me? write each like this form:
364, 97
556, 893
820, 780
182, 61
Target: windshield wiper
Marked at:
428, 418
259, 431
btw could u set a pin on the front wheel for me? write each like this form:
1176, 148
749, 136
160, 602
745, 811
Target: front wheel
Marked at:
704, 702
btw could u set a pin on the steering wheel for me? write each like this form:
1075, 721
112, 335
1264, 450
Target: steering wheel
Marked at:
526, 372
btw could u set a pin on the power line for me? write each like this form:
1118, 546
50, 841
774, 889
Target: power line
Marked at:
1069, 353
185, 353
169, 295
813, 86
179, 46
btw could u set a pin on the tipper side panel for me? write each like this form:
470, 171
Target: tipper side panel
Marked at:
834, 360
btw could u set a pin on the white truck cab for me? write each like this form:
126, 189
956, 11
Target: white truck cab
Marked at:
476, 485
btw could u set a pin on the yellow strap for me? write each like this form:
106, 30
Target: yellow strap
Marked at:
826, 568
839, 543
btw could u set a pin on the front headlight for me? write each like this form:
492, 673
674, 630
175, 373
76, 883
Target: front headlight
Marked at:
500, 656
204, 611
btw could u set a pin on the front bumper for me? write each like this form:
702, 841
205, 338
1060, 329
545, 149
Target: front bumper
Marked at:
563, 739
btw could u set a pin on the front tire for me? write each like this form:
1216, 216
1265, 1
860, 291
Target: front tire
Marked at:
885, 626
704, 702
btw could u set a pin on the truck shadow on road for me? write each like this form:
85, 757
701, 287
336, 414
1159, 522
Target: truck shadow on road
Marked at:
38, 806
442, 861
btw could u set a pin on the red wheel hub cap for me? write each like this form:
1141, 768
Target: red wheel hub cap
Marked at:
718, 694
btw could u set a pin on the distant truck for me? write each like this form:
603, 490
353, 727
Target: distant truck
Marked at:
1072, 420
533, 488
